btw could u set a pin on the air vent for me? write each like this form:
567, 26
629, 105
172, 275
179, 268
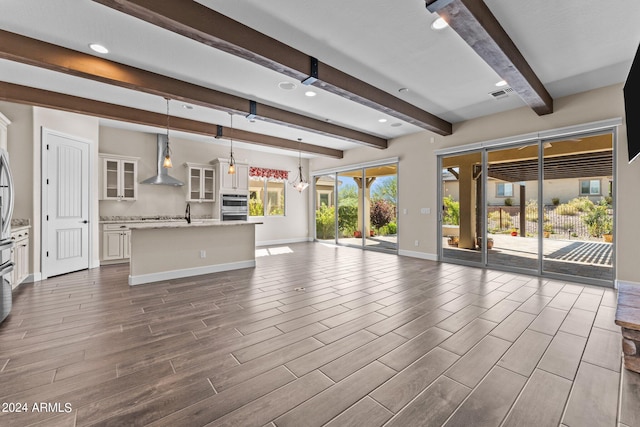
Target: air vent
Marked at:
501, 93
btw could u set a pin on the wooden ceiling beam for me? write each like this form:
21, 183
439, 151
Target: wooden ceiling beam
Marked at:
43, 98
198, 22
41, 54
479, 28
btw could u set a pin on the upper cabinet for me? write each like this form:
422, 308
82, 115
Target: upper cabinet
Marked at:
201, 182
237, 183
119, 177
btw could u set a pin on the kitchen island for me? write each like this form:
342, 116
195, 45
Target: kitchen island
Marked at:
171, 250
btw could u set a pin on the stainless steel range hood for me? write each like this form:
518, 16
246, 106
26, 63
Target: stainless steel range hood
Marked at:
162, 178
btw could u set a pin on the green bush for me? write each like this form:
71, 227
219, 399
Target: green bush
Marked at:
555, 201
451, 211
582, 204
256, 208
506, 219
325, 222
393, 228
383, 231
508, 201
566, 209
381, 214
598, 220
347, 219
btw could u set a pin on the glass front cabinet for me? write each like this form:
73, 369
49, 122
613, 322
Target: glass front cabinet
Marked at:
200, 183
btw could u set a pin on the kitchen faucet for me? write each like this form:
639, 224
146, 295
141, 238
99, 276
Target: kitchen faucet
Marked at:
187, 213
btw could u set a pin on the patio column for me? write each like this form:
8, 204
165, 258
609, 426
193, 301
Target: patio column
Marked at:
467, 186
364, 203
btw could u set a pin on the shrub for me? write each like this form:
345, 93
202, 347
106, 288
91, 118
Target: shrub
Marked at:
384, 230
393, 228
566, 209
555, 201
325, 222
508, 201
347, 219
506, 219
451, 211
582, 204
381, 213
256, 208
548, 227
598, 220
531, 211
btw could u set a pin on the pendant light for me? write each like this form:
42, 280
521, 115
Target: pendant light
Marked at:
167, 151
232, 161
300, 183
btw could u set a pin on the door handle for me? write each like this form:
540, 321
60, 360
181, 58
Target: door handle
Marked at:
84, 221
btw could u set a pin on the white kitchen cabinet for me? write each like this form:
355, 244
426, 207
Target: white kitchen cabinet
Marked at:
237, 183
119, 177
20, 256
201, 182
115, 242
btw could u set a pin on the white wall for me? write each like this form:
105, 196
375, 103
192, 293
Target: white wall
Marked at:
418, 165
168, 200
24, 146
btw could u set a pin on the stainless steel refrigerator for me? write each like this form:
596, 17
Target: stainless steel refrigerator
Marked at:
6, 244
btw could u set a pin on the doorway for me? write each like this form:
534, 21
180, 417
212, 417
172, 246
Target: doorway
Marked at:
65, 203
544, 206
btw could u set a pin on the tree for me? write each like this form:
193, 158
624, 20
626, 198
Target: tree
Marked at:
381, 213
386, 188
451, 211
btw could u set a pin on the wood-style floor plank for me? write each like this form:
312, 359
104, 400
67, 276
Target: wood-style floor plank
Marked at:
372, 340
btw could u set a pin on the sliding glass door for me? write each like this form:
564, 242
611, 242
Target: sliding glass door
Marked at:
461, 216
512, 207
361, 205
578, 206
548, 205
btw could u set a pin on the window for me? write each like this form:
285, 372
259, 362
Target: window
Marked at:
504, 189
266, 192
590, 187
323, 199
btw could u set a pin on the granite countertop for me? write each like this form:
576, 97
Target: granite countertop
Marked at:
150, 218
20, 222
184, 224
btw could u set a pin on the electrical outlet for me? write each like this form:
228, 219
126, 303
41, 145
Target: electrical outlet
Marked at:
416, 243
203, 254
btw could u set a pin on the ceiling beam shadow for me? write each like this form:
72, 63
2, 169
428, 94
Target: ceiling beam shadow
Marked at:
18, 48
474, 22
197, 22
43, 98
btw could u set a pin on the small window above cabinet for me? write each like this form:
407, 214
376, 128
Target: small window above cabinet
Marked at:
119, 177
200, 182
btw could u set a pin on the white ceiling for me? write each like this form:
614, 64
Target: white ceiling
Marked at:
572, 45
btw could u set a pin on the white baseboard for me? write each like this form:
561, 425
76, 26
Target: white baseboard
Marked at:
188, 272
34, 277
283, 241
617, 283
421, 255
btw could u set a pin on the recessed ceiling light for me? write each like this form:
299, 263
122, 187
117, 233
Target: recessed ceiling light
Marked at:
396, 125
382, 120
310, 93
501, 83
439, 24
98, 48
403, 90
287, 85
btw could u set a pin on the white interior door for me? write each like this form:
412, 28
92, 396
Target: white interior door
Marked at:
65, 204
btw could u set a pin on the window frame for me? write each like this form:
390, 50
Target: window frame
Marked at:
504, 184
590, 181
265, 196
